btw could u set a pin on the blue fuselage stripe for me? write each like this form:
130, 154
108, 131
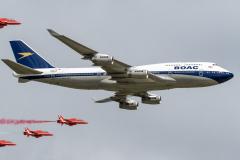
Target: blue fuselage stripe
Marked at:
215, 75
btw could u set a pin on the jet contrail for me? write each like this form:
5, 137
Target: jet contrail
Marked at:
2, 133
21, 121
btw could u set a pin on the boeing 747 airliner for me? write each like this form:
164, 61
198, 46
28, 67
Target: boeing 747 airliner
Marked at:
113, 75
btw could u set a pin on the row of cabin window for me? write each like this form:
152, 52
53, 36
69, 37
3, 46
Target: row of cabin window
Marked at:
185, 65
219, 72
185, 72
207, 72
72, 74
176, 72
78, 74
192, 72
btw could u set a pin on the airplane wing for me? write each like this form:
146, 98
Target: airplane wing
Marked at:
119, 96
81, 49
118, 70
3, 23
69, 121
35, 133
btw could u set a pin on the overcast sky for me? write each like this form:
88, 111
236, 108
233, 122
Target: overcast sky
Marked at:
190, 124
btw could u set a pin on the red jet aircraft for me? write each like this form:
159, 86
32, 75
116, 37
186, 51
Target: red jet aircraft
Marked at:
4, 143
37, 133
7, 21
70, 122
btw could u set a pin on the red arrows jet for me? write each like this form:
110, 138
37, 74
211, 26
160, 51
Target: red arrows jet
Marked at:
7, 21
37, 133
4, 143
70, 122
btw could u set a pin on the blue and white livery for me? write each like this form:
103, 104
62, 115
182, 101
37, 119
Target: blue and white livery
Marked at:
113, 75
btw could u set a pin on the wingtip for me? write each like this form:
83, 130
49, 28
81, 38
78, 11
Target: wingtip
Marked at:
94, 100
53, 33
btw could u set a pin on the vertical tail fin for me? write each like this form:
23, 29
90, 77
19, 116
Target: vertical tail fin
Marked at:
27, 130
61, 119
25, 55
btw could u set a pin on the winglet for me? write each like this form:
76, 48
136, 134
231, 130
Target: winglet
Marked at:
94, 100
53, 33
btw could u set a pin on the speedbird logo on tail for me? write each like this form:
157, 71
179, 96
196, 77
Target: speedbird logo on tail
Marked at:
25, 55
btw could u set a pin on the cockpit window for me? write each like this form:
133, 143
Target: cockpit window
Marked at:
215, 64
10, 19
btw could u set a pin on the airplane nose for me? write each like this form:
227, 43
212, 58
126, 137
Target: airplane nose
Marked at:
225, 77
231, 75
14, 23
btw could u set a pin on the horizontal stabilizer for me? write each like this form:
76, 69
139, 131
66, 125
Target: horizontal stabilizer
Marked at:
20, 69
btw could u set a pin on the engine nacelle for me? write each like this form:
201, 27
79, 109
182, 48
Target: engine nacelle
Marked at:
130, 105
137, 73
103, 59
151, 99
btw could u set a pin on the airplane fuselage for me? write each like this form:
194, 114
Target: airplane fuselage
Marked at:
187, 75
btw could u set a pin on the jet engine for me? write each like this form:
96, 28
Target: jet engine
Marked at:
130, 105
151, 99
102, 59
139, 74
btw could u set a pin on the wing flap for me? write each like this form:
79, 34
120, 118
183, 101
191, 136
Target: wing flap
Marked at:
161, 78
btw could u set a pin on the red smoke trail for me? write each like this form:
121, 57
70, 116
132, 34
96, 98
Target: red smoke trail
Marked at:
21, 121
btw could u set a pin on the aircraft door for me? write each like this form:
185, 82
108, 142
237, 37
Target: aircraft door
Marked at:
98, 73
53, 72
201, 73
170, 72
